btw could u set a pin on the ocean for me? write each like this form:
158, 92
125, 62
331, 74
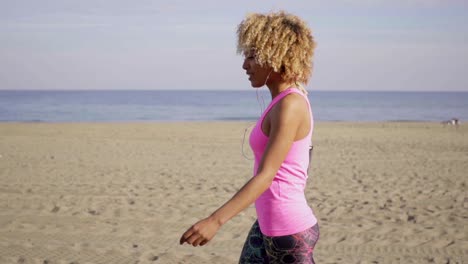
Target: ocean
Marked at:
190, 105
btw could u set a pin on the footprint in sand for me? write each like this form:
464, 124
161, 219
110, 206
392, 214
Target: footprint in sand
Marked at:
93, 212
55, 209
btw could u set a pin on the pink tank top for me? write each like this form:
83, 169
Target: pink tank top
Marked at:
282, 209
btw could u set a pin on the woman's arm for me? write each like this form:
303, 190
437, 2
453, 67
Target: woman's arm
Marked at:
285, 119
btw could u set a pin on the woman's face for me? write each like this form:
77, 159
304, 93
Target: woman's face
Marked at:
258, 75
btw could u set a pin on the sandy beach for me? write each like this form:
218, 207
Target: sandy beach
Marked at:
125, 192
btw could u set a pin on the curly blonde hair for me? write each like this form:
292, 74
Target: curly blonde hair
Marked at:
280, 40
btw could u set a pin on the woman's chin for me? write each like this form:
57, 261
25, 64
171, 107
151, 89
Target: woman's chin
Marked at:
256, 85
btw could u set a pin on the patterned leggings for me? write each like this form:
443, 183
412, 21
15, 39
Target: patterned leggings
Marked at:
296, 248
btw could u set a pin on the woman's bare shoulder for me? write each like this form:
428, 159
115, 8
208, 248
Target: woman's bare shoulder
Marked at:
292, 104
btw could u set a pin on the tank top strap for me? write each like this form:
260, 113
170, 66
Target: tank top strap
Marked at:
307, 100
275, 101
281, 96
295, 90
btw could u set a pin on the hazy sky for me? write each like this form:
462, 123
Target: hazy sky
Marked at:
103, 44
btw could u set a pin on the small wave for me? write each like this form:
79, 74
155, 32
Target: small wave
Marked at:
236, 118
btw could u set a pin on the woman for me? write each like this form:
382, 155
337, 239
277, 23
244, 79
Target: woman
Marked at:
278, 49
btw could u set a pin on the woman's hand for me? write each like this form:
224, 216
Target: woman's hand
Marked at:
201, 232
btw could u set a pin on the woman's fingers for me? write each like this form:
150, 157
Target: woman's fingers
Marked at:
198, 241
193, 238
200, 233
186, 235
204, 242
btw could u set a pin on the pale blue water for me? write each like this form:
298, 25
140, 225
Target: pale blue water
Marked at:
111, 106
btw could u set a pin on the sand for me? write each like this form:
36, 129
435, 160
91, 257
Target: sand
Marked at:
125, 192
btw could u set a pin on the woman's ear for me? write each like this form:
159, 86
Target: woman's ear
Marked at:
282, 69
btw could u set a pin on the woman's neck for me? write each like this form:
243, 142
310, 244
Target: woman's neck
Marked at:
278, 87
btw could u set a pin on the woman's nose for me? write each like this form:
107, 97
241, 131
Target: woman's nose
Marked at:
245, 65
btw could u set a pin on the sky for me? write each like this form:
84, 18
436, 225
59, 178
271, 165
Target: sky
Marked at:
368, 45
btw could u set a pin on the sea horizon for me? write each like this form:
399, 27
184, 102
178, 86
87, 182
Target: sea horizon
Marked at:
225, 90
224, 105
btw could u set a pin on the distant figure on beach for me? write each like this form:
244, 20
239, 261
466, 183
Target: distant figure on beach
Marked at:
278, 49
454, 122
